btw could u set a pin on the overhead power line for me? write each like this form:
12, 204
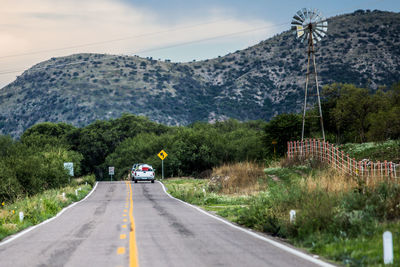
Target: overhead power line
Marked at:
152, 34
114, 40
110, 57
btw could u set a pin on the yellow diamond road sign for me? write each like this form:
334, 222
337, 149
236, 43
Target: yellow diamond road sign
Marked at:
162, 155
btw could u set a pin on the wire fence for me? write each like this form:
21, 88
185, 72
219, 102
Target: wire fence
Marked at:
330, 154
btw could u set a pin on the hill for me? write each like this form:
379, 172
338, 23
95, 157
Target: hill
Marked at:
259, 82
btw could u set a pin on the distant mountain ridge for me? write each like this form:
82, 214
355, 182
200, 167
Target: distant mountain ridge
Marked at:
255, 83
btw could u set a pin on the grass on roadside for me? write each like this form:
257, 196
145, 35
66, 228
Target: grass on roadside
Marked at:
337, 216
41, 207
239, 178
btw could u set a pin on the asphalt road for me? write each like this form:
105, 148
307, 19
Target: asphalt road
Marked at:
124, 224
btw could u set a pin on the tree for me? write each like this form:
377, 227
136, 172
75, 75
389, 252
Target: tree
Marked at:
282, 128
351, 112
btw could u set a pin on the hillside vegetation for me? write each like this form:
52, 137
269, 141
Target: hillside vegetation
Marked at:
362, 48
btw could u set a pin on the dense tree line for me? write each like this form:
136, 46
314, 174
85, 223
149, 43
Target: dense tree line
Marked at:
193, 149
35, 162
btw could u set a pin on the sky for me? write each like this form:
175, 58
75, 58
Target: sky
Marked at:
178, 30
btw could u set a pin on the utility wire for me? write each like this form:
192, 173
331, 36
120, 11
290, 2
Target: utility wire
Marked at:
114, 40
151, 34
110, 57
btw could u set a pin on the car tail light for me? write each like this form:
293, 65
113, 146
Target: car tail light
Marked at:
135, 174
153, 173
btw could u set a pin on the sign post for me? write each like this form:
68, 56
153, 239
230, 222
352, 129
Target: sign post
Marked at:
274, 142
70, 167
162, 155
111, 172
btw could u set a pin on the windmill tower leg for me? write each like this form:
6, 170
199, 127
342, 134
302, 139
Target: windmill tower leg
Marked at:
318, 97
311, 56
305, 94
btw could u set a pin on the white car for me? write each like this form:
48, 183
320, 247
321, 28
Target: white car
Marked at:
143, 172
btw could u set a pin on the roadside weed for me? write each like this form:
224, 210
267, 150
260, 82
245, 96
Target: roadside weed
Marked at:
38, 208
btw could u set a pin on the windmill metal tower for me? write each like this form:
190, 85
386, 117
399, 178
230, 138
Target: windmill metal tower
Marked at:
308, 24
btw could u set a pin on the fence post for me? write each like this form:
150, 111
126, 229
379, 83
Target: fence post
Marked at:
291, 149
337, 158
319, 150
315, 149
307, 144
361, 168
294, 149
343, 164
373, 169
334, 156
356, 170
327, 153
379, 168
386, 171
348, 163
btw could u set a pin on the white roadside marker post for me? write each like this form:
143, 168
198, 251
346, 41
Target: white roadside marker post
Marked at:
21, 216
292, 214
76, 192
387, 248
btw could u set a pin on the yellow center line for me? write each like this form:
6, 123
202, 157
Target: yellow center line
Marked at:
133, 253
122, 236
121, 250
124, 226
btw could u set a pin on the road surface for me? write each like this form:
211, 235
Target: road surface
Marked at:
123, 224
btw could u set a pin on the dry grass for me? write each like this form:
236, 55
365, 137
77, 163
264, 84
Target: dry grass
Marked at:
330, 181
238, 178
4, 214
10, 226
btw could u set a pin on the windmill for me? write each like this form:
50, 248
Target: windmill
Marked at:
309, 25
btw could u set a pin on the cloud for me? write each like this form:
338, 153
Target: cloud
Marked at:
33, 31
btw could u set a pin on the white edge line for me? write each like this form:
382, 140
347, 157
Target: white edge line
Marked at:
46, 221
272, 242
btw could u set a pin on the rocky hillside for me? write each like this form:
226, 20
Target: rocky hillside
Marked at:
256, 83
